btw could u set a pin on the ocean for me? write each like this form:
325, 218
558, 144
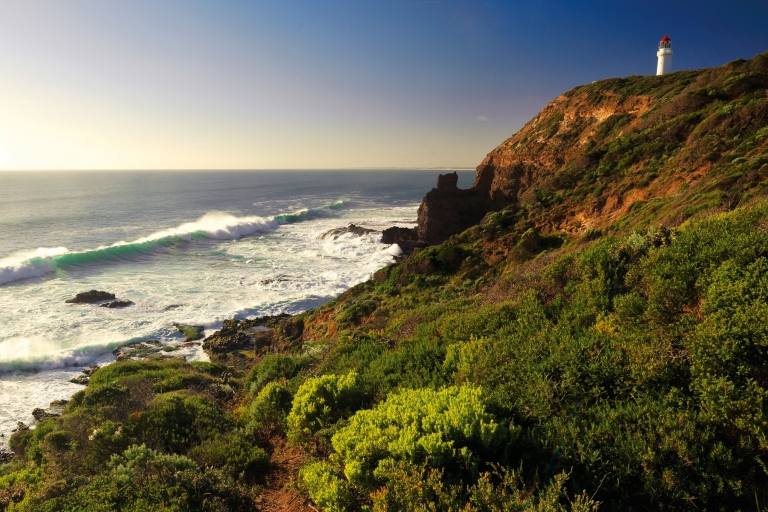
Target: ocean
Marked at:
188, 247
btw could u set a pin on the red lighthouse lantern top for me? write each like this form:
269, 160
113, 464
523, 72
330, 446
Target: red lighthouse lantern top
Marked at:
665, 39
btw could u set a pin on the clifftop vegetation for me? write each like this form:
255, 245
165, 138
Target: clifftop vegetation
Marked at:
543, 360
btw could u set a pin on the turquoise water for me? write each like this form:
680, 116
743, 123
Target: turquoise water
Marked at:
215, 244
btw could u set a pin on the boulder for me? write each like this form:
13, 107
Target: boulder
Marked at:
20, 427
83, 380
138, 350
90, 297
228, 339
282, 278
117, 304
42, 415
190, 332
352, 228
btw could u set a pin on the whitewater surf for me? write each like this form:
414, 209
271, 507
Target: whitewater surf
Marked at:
184, 248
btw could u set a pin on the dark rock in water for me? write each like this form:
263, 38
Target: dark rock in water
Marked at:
59, 403
406, 238
172, 307
352, 228
228, 339
80, 379
90, 297
20, 427
282, 278
42, 414
117, 304
89, 370
190, 332
138, 350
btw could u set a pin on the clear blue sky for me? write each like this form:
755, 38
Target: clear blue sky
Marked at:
322, 84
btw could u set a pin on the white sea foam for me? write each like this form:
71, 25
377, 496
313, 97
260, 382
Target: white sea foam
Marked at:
211, 282
37, 353
216, 225
25, 264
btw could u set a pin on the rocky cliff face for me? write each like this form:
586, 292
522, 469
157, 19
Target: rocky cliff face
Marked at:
597, 156
444, 211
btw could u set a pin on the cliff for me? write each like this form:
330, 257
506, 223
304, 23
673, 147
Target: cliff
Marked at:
620, 153
550, 356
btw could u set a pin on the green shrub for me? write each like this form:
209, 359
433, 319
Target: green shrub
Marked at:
269, 410
447, 429
415, 487
330, 492
232, 453
322, 401
275, 367
107, 394
175, 422
143, 479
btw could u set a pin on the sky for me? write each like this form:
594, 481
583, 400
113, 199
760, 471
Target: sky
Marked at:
167, 84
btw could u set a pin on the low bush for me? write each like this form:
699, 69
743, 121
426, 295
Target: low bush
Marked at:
322, 401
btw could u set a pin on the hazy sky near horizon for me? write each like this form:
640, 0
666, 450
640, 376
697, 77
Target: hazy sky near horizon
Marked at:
167, 84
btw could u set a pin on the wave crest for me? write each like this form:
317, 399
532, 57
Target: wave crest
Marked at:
214, 225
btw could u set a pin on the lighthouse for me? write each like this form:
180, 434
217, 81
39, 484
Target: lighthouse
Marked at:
665, 56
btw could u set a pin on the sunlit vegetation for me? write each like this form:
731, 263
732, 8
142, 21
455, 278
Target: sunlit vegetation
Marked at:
505, 369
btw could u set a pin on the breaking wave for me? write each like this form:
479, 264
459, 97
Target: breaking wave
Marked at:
214, 225
37, 354
310, 213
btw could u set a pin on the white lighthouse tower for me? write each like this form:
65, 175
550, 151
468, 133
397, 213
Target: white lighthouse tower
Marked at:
665, 56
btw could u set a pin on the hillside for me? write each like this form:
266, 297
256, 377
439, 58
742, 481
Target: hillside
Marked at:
623, 153
589, 332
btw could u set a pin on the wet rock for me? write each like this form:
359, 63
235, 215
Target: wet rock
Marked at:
42, 415
89, 370
190, 332
172, 307
59, 403
282, 278
80, 379
406, 238
90, 297
117, 304
228, 339
20, 427
352, 228
138, 350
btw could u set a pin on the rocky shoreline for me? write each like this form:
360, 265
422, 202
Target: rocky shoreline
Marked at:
237, 343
